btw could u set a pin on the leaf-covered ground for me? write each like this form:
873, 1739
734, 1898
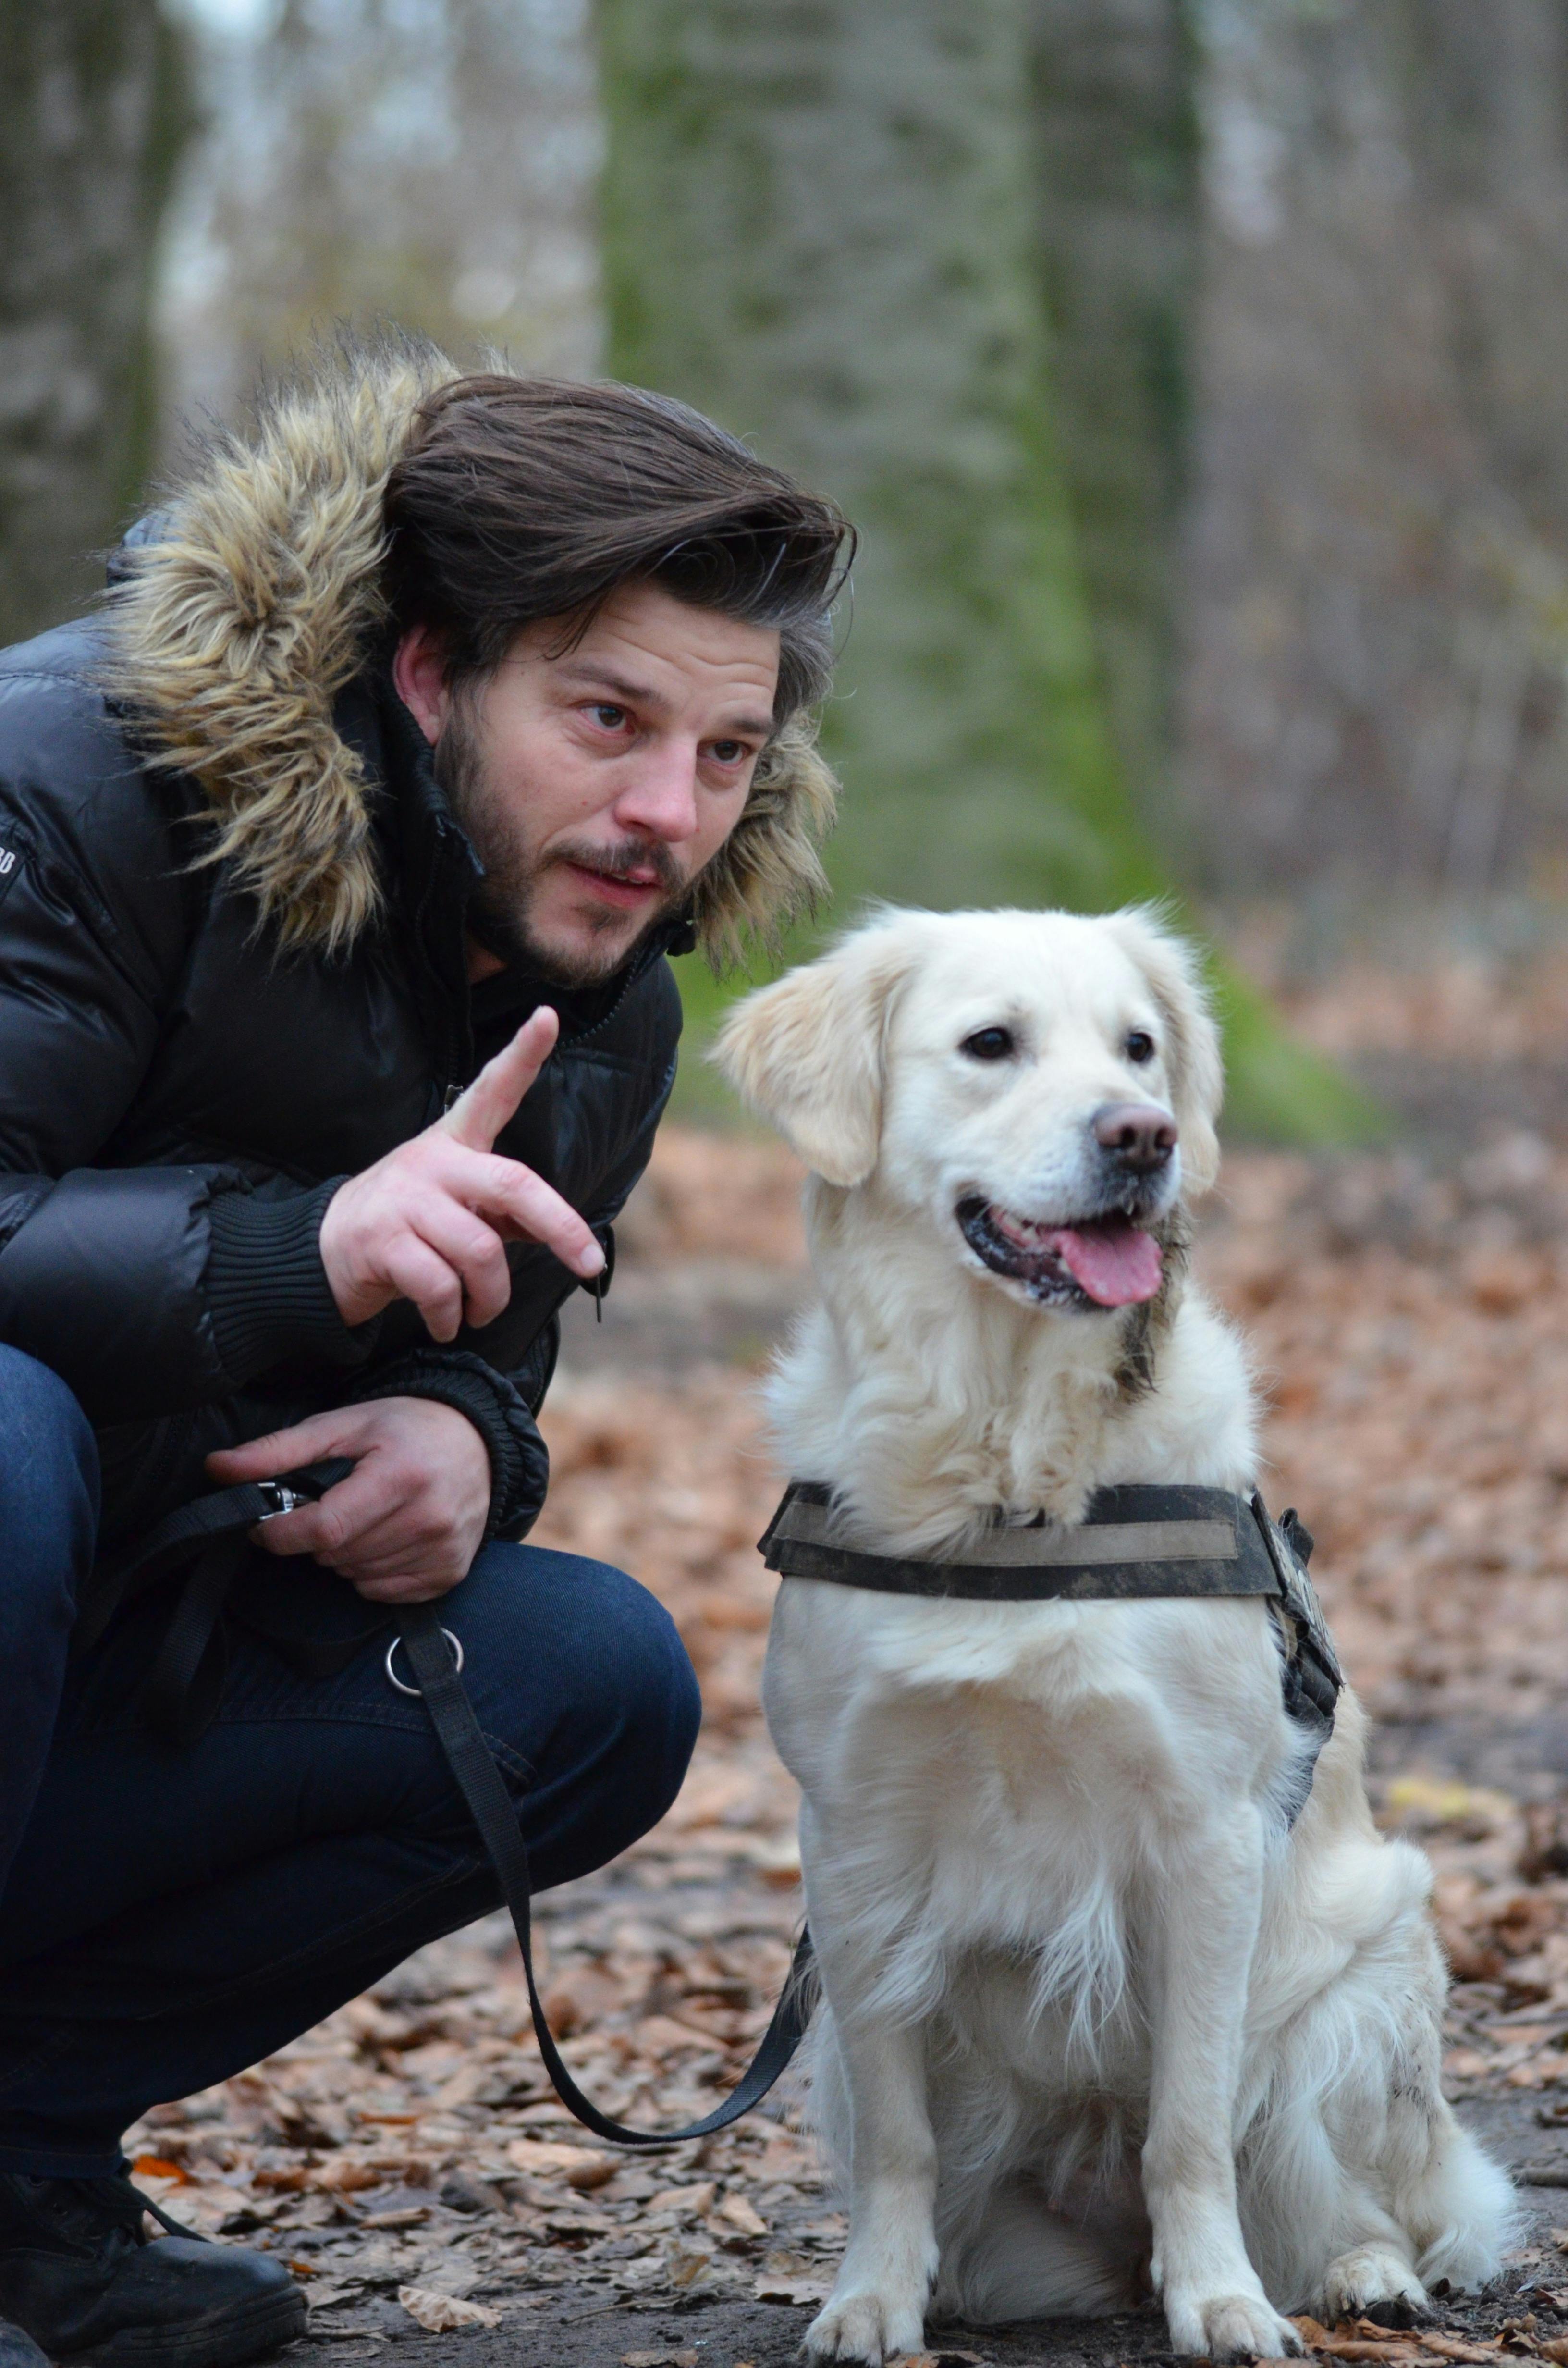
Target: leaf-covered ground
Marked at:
1409, 1314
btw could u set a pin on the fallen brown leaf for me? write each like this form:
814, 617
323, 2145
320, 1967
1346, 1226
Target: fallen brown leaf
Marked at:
579, 2166
440, 2314
740, 2215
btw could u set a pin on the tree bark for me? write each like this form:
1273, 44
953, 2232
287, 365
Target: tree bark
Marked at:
817, 223
820, 225
1113, 97
90, 121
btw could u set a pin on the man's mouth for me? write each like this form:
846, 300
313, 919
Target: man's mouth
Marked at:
1104, 1261
628, 892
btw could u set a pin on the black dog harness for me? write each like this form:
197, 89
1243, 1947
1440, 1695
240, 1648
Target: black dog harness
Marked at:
1135, 1542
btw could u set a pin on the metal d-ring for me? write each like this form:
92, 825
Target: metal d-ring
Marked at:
456, 1646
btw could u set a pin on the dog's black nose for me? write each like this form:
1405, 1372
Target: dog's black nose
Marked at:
1139, 1136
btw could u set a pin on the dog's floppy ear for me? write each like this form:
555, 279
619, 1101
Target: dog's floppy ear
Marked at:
1173, 971
806, 1053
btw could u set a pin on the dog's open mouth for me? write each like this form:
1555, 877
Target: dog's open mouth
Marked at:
1106, 1261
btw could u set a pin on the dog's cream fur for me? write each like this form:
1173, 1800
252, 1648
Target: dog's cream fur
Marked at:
1094, 2014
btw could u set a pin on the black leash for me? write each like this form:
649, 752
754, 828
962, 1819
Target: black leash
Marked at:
483, 1787
208, 1541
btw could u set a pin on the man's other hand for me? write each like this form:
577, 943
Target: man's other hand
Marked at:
431, 1220
406, 1523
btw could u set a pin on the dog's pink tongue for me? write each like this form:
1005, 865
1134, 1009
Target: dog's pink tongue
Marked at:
1115, 1264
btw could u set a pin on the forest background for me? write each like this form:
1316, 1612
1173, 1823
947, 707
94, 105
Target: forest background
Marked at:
1196, 369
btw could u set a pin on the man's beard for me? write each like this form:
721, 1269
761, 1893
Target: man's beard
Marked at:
500, 907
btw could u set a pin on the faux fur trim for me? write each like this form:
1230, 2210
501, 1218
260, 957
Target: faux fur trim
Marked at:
237, 628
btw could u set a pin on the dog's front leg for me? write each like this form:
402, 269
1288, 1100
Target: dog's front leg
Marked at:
877, 2307
1214, 2302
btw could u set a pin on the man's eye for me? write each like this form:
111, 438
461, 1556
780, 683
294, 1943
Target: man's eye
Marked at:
605, 713
1140, 1045
728, 752
990, 1044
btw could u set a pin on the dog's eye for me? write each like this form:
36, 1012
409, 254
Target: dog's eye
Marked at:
989, 1044
1140, 1045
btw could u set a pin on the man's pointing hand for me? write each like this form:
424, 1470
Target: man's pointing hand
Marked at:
430, 1222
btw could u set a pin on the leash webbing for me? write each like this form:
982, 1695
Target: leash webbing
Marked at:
205, 1541
489, 1804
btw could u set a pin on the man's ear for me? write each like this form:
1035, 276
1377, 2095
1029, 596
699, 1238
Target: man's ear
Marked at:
807, 1053
1174, 970
419, 675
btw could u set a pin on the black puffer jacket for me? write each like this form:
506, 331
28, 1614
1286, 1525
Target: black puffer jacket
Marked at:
178, 1098
231, 969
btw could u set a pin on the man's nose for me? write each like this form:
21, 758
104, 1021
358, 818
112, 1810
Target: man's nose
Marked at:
662, 799
1139, 1136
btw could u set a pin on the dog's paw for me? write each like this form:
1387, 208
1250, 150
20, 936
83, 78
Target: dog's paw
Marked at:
1231, 2326
1373, 2281
866, 2324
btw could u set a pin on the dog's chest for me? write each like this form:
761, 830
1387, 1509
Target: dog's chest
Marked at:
970, 1736
998, 1763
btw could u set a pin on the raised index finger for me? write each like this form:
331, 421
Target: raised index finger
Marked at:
524, 1206
478, 1115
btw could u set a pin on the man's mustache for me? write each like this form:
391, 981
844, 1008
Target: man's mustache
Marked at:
622, 862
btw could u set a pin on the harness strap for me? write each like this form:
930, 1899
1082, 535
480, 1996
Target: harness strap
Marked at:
483, 1788
1136, 1543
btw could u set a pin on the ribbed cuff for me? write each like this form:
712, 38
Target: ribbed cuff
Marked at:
519, 1460
267, 1288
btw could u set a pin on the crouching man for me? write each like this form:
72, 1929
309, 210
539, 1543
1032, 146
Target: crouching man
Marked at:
339, 861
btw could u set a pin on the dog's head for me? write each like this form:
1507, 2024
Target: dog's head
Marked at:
1041, 1086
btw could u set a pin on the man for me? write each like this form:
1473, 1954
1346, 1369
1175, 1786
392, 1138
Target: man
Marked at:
338, 865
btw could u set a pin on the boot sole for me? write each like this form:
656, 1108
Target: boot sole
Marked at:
224, 2341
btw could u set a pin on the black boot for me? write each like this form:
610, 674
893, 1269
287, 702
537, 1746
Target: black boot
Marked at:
19, 2351
78, 2272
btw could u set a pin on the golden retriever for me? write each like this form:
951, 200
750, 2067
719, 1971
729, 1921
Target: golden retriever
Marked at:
1096, 2015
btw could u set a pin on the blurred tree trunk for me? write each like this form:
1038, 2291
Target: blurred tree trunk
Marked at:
91, 114
1117, 234
820, 225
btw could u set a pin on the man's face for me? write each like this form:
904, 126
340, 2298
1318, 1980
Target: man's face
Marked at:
597, 782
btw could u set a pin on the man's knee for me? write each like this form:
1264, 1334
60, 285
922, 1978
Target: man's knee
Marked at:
48, 1472
651, 1695
589, 1686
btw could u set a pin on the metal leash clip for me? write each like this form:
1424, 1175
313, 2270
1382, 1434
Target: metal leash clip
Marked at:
282, 1499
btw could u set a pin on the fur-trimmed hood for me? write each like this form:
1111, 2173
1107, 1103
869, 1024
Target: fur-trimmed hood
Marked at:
258, 598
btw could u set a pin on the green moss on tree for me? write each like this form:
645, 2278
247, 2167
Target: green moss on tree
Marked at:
819, 225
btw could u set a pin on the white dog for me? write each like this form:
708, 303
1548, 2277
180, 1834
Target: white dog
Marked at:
1096, 2015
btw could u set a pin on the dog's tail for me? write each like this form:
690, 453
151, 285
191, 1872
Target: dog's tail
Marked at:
1026, 2262
1463, 2213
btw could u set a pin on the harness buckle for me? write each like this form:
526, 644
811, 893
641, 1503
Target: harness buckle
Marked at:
282, 1499
1298, 1598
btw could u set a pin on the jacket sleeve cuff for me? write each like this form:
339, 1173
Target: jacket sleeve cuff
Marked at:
519, 1460
266, 1288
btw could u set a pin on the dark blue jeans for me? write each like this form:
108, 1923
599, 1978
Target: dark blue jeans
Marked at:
171, 1916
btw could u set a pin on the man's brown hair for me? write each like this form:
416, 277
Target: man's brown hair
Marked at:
381, 487
521, 499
